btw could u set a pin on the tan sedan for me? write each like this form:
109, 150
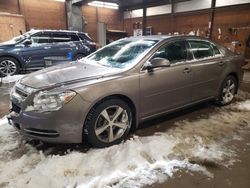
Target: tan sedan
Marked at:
99, 98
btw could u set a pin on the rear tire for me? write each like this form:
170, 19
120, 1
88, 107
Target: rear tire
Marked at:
228, 91
9, 66
108, 123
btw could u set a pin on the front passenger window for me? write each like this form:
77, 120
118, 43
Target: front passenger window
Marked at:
175, 52
40, 38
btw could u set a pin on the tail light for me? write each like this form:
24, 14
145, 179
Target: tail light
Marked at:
93, 44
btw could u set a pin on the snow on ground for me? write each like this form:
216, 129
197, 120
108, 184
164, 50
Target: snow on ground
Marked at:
244, 105
189, 145
14, 78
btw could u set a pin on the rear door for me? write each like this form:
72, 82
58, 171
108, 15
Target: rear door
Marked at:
207, 67
167, 88
62, 44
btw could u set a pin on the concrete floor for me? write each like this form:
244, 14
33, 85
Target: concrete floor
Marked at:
236, 176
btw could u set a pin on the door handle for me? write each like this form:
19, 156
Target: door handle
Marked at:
187, 70
47, 47
221, 63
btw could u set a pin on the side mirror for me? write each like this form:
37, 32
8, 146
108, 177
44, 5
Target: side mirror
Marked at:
158, 62
27, 42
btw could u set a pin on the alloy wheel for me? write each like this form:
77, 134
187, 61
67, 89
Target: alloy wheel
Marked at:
7, 67
111, 124
228, 91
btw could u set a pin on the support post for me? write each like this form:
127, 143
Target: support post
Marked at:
172, 17
144, 20
74, 16
211, 22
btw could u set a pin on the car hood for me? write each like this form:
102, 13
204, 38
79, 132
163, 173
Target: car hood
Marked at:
67, 74
6, 46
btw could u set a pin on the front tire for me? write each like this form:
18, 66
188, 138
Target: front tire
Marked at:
8, 66
108, 123
228, 90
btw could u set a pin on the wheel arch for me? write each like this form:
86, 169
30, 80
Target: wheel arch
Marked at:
127, 100
14, 57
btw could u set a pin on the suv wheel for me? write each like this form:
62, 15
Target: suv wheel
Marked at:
8, 66
228, 90
108, 123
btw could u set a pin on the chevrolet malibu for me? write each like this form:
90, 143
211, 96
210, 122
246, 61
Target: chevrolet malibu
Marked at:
100, 98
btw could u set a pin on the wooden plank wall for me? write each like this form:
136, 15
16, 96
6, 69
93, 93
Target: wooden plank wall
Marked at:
112, 18
10, 25
10, 6
40, 14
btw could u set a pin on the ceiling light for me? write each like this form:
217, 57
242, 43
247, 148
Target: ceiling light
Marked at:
103, 4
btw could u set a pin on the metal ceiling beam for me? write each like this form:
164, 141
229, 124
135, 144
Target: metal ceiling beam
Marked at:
133, 4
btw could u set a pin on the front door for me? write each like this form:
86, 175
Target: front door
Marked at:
41, 47
166, 88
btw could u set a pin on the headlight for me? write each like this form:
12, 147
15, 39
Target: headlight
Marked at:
47, 101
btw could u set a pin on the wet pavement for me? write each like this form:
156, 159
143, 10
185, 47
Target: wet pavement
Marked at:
236, 175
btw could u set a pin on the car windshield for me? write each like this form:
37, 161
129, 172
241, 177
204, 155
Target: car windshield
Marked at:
123, 53
19, 38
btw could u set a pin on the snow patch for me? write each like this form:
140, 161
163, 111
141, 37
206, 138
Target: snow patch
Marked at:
244, 106
9, 79
189, 145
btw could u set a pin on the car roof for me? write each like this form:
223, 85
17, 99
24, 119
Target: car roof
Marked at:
51, 30
164, 37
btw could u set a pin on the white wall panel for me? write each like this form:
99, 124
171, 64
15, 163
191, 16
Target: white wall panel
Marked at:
192, 5
221, 3
182, 7
164, 9
133, 14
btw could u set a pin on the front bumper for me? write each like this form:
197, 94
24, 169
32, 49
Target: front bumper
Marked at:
62, 126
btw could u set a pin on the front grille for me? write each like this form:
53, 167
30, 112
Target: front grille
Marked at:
21, 93
16, 108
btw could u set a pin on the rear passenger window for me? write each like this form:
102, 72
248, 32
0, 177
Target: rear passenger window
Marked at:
73, 37
60, 37
84, 37
201, 49
216, 50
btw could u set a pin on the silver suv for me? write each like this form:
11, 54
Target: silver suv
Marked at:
100, 98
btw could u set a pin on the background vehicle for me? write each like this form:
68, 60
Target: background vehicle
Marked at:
121, 85
27, 52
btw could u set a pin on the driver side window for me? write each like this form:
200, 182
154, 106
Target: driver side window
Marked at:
174, 52
40, 38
